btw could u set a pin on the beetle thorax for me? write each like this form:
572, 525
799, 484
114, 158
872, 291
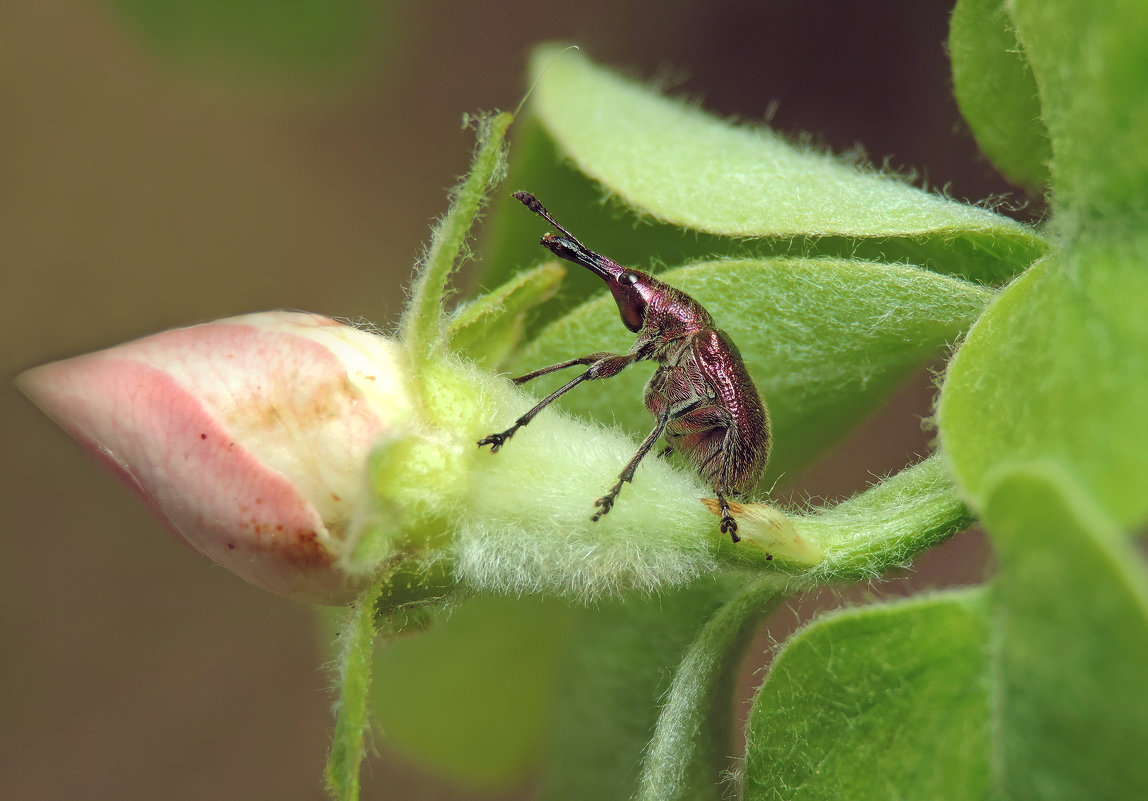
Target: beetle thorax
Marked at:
672, 314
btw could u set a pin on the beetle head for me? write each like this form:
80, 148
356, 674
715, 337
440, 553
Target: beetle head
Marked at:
630, 288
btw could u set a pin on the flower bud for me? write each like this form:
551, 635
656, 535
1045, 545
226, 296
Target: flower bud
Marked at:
248, 437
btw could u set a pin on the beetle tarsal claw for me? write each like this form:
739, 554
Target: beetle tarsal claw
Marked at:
606, 502
495, 441
729, 526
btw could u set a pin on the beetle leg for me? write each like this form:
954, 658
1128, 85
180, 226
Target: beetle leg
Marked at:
712, 455
606, 502
589, 359
728, 524
604, 365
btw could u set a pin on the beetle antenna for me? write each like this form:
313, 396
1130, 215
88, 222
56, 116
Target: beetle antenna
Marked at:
529, 201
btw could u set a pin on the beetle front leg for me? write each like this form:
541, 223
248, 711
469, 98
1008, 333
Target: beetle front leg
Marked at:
604, 365
554, 368
496, 441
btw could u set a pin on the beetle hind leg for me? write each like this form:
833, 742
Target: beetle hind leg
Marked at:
728, 524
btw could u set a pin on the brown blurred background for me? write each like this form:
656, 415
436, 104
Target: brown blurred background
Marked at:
141, 189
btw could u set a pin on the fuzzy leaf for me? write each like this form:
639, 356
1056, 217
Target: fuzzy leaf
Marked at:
682, 167
1057, 370
689, 752
997, 93
489, 328
825, 340
1071, 639
885, 701
1091, 65
511, 237
620, 664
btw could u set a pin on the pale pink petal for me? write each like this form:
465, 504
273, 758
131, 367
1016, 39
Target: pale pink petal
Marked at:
248, 437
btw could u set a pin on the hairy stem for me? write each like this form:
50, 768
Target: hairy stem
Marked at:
353, 682
688, 741
422, 319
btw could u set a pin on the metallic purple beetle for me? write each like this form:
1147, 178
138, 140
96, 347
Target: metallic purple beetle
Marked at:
701, 396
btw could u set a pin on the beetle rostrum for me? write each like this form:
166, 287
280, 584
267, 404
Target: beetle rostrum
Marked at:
703, 401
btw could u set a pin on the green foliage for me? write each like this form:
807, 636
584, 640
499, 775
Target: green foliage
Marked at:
1041, 416
1091, 67
1057, 369
677, 166
997, 93
835, 281
487, 669
886, 525
422, 318
825, 340
1013, 689
1070, 637
614, 680
489, 328
884, 701
688, 753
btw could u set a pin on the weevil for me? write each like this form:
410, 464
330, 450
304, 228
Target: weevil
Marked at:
703, 401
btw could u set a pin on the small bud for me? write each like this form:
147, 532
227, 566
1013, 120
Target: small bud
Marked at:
248, 437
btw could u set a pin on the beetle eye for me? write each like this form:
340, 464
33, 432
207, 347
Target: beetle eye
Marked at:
628, 278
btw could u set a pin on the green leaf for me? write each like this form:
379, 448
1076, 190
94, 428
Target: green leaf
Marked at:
997, 93
682, 167
1070, 630
825, 340
1091, 65
688, 755
298, 37
620, 664
471, 696
883, 701
1057, 370
489, 328
511, 237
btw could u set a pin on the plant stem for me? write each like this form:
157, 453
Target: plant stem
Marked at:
422, 318
680, 757
353, 683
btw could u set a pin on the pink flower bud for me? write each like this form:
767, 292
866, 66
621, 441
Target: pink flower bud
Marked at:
248, 437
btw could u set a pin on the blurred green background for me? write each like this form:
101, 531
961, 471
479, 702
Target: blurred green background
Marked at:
165, 163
